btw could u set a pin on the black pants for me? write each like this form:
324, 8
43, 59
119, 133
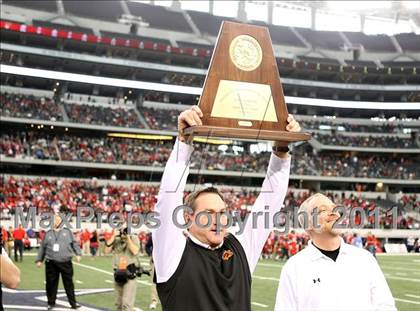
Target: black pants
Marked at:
53, 269
18, 246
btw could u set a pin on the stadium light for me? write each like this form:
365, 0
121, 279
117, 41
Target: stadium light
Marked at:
326, 20
257, 10
411, 5
160, 87
201, 6
292, 17
225, 8
359, 6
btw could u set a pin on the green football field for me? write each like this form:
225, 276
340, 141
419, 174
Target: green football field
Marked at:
402, 273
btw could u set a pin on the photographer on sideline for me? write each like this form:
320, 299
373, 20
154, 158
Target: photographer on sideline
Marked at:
124, 248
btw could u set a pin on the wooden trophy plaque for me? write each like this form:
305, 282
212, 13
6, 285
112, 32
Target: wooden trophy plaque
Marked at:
242, 95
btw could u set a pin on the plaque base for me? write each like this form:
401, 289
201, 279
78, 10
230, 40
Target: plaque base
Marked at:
215, 131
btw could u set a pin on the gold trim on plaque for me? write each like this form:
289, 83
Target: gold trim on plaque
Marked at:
245, 52
244, 101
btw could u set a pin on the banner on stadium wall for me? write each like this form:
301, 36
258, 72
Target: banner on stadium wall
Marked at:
131, 43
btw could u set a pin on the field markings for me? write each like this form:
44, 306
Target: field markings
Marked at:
412, 296
17, 307
259, 304
402, 263
388, 276
93, 268
147, 283
265, 278
408, 301
416, 271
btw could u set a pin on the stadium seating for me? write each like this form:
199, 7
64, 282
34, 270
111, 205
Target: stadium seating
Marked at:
367, 141
41, 23
65, 195
138, 152
374, 43
408, 41
330, 40
103, 115
160, 119
102, 10
23, 106
42, 5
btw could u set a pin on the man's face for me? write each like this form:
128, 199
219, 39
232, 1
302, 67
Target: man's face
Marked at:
326, 216
208, 204
57, 221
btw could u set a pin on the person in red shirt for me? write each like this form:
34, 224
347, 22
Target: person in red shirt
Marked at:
85, 239
293, 249
108, 234
18, 235
371, 244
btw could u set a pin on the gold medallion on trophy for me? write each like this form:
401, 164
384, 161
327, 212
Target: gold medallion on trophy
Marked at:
245, 52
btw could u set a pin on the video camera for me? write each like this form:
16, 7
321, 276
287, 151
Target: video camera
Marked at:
121, 276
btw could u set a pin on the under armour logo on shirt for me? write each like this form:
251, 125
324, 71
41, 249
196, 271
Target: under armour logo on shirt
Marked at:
317, 280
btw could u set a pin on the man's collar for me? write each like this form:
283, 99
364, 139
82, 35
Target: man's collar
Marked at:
204, 245
316, 253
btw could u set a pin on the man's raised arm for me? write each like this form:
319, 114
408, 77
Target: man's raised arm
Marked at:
168, 240
270, 199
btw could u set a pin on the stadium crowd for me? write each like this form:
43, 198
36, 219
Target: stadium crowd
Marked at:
367, 141
159, 119
388, 128
65, 195
39, 145
28, 106
103, 115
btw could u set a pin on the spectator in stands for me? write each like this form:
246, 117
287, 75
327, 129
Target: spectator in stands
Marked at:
29, 106
367, 141
138, 152
355, 270
89, 114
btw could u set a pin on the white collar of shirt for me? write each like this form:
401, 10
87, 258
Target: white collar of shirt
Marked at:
198, 242
317, 254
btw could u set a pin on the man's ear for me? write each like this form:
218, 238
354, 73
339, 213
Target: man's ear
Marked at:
187, 217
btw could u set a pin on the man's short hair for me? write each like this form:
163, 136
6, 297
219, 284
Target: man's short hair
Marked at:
305, 211
192, 197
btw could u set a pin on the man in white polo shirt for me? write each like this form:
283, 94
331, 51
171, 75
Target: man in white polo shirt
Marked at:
330, 274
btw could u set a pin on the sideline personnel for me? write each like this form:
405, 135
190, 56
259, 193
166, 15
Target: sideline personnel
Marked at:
57, 248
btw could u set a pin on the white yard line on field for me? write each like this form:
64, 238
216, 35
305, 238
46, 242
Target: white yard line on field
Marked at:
412, 296
259, 304
408, 301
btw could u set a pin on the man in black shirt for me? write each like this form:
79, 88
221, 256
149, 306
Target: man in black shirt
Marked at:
210, 270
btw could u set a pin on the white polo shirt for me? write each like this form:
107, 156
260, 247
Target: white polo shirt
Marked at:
312, 281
